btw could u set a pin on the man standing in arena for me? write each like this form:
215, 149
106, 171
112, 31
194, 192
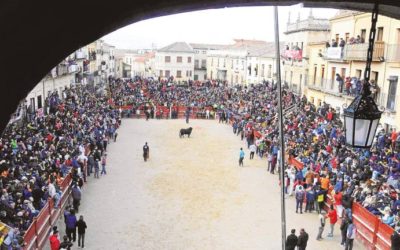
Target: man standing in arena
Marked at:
146, 151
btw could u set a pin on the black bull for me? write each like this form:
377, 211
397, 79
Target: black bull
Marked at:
185, 131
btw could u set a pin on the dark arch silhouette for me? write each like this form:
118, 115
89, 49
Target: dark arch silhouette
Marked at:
36, 35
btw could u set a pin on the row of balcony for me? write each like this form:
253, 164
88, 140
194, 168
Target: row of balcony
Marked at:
331, 87
358, 52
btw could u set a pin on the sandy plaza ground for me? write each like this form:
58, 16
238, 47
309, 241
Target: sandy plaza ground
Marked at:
191, 194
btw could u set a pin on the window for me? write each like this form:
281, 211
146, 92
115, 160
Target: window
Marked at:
179, 59
190, 73
196, 64
39, 102
224, 63
167, 73
196, 77
374, 76
167, 59
262, 70
32, 104
161, 73
358, 73
178, 74
203, 63
204, 52
391, 101
189, 59
333, 76
205, 76
211, 75
343, 73
363, 35
347, 37
187, 73
269, 71
301, 45
379, 36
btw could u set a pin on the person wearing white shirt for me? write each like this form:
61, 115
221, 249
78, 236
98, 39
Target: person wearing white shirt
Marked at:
253, 149
53, 194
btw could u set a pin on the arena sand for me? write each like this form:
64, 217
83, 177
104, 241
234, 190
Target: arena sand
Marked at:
191, 194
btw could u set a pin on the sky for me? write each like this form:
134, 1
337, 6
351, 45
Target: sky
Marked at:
216, 26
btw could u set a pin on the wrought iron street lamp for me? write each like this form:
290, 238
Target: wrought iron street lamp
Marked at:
361, 118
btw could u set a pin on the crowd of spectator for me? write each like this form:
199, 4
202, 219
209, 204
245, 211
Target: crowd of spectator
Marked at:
313, 135
73, 133
37, 153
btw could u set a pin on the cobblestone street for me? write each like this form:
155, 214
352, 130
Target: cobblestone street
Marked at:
191, 194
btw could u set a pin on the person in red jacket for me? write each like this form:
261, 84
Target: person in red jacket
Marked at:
332, 215
54, 241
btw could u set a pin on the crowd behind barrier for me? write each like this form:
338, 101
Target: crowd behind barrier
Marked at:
314, 137
44, 155
76, 127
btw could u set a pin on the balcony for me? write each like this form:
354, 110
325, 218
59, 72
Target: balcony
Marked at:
61, 69
325, 85
358, 52
292, 54
73, 68
334, 54
79, 55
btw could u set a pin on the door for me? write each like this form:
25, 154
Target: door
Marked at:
343, 73
333, 76
315, 74
363, 35
322, 75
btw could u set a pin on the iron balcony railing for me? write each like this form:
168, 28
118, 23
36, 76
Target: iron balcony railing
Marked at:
355, 52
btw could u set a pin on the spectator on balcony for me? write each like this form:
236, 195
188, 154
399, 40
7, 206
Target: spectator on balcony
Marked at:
327, 45
359, 39
342, 43
348, 85
374, 89
334, 43
339, 79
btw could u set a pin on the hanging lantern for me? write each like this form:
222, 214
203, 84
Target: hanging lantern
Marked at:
361, 120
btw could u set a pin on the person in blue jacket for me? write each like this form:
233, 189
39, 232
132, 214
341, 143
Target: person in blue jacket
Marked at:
71, 225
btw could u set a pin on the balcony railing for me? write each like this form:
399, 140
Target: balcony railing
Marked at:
358, 52
80, 55
334, 53
292, 54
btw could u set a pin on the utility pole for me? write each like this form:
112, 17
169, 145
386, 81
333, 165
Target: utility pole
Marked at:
281, 135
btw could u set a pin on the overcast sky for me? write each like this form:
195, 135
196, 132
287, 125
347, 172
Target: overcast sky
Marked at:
218, 26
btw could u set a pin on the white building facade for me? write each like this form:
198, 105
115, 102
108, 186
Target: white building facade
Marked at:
175, 60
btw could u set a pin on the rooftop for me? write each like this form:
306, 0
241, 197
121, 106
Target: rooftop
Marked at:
207, 46
177, 47
345, 13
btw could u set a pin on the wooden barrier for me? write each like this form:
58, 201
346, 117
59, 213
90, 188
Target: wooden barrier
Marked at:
37, 234
371, 232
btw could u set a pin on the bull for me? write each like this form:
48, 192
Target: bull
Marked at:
185, 131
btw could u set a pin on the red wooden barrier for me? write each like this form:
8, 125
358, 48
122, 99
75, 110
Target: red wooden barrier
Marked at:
37, 234
371, 232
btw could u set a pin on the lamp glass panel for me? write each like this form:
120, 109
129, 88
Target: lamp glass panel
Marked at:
349, 129
361, 132
373, 131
